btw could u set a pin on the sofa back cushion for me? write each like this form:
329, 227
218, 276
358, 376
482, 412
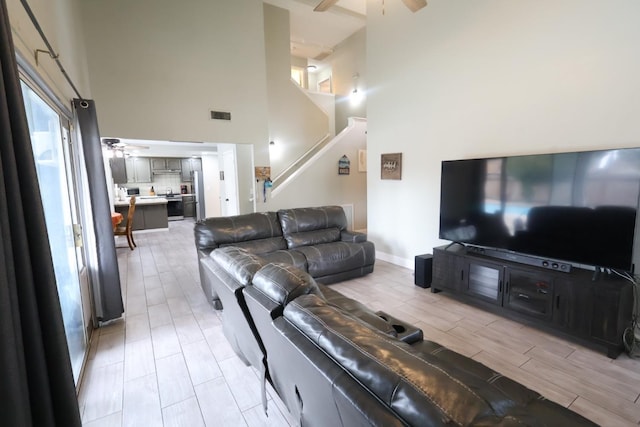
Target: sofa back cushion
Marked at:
258, 232
238, 263
283, 283
312, 226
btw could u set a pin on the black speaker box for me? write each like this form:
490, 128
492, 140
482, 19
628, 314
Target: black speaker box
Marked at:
424, 265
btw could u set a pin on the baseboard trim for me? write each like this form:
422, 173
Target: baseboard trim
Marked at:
393, 259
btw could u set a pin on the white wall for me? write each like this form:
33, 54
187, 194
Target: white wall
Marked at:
60, 22
295, 122
462, 79
158, 68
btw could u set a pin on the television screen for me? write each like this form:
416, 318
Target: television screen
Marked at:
575, 207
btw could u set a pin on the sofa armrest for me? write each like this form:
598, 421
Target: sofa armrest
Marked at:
353, 236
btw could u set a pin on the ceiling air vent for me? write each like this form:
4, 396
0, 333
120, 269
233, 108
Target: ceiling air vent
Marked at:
220, 115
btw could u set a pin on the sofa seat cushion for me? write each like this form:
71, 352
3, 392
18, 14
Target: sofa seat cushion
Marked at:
238, 263
332, 258
288, 257
260, 246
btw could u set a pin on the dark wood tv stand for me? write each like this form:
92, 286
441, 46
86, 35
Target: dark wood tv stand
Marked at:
592, 309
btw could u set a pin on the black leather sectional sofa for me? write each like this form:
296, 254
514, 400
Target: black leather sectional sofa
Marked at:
313, 239
334, 362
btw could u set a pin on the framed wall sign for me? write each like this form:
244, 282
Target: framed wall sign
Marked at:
391, 166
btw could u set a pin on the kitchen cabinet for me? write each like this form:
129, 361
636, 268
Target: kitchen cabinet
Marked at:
166, 164
138, 169
593, 308
188, 166
118, 170
147, 215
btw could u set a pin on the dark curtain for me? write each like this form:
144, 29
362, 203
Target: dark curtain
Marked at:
36, 381
107, 294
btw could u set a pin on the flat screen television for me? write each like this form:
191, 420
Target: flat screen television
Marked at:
579, 207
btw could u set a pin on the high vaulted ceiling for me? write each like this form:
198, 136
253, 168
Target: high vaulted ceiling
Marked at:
314, 35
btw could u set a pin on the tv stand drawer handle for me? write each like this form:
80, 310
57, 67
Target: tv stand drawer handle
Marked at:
523, 296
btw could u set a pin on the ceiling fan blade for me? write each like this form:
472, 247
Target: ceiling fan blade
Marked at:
415, 5
324, 5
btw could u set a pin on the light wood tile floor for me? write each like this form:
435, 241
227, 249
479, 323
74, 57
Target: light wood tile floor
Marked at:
167, 362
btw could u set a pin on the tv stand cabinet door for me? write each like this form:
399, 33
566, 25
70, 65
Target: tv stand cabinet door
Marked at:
610, 309
484, 280
529, 292
448, 271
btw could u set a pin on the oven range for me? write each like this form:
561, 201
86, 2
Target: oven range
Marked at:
175, 209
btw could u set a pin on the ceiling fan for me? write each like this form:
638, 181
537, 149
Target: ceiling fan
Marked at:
116, 144
413, 5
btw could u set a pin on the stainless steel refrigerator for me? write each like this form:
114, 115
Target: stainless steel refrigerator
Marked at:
198, 190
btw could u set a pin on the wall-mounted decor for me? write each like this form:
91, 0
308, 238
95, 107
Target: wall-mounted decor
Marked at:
344, 165
362, 160
391, 166
263, 172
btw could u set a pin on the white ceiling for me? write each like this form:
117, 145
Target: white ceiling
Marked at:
315, 34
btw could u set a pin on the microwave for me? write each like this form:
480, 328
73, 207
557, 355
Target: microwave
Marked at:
134, 191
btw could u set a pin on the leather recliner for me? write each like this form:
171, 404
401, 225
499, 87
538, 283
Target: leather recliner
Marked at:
315, 240
348, 372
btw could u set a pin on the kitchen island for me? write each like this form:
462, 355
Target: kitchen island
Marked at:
151, 212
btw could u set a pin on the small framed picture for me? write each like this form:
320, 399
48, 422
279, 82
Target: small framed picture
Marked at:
362, 160
391, 166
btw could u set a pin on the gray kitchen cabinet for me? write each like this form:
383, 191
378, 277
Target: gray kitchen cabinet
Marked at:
118, 170
138, 169
166, 164
173, 164
188, 166
147, 216
155, 216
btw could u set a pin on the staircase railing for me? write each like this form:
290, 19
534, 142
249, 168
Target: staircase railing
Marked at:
304, 161
293, 167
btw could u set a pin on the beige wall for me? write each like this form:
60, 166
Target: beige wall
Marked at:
461, 79
60, 21
158, 68
295, 122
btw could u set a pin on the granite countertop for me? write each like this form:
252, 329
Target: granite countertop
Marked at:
143, 200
